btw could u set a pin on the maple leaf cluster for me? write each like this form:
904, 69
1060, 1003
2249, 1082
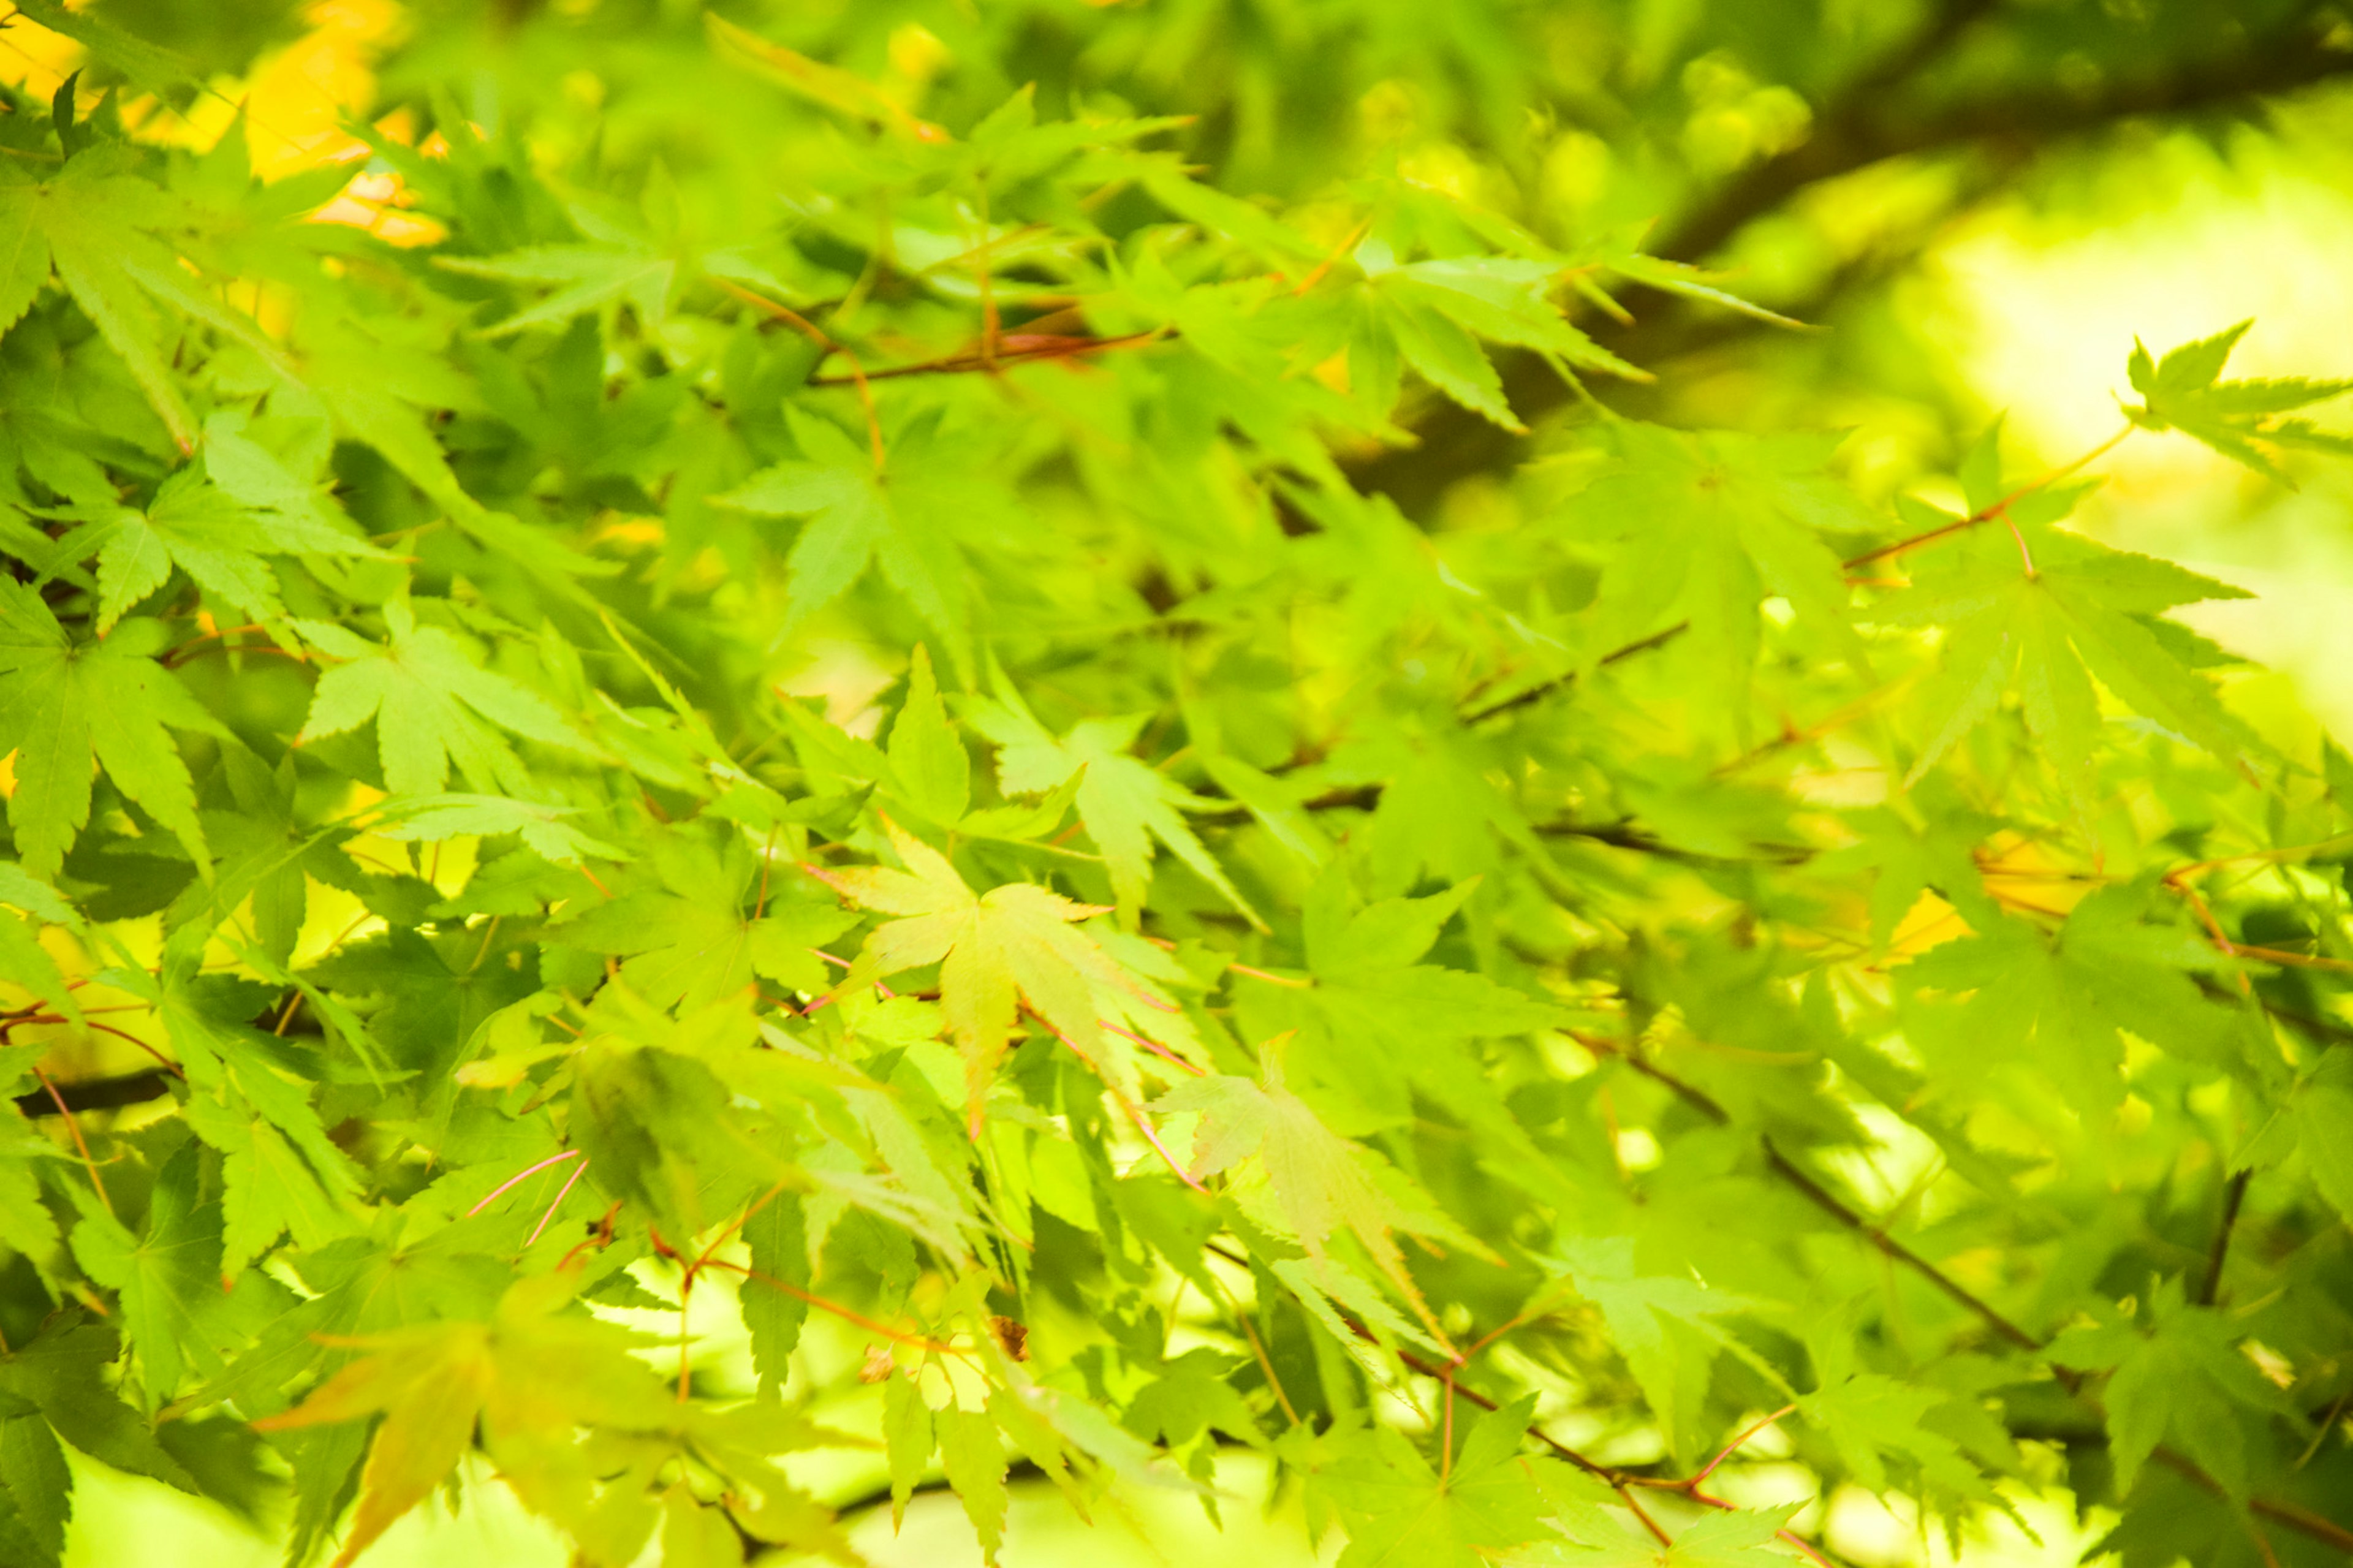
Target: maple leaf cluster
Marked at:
779, 795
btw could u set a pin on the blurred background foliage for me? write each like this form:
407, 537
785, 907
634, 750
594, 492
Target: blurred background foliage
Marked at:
1974, 206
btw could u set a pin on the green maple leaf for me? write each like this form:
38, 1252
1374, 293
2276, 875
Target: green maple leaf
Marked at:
423, 994
1433, 314
27, 1224
54, 1388
2240, 419
267, 1188
689, 940
928, 762
1868, 1417
777, 1235
1931, 854
616, 265
1681, 278
1010, 146
23, 960
280, 1171
1163, 175
531, 1378
99, 226
279, 1166
1370, 986
1309, 1181
196, 525
907, 1442
1705, 526
542, 829
1664, 1326
2323, 1106
65, 1372
640, 260
2184, 1380
898, 516
1190, 1396
35, 1488
301, 511
972, 1454
63, 703
169, 1281
1376, 1026
999, 951
1125, 803
434, 705
377, 392
266, 856
2057, 1006
2078, 614
1401, 1514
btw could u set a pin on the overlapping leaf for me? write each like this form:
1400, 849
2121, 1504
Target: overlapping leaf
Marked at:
999, 952
64, 702
2240, 419
434, 705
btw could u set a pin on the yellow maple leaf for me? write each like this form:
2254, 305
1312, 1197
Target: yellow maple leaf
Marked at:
997, 951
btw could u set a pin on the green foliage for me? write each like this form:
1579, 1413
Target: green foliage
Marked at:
804, 719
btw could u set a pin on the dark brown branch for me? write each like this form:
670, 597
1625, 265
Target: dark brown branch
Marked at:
1864, 130
1822, 1197
1545, 689
100, 1093
1623, 1481
1483, 1403
2233, 1194
1847, 136
875, 1497
1859, 130
1364, 797
2319, 1028
2287, 1513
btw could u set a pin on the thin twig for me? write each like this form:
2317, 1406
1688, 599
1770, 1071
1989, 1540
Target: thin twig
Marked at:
1265, 1361
1157, 1049
732, 1226
816, 335
1649, 1523
1730, 1449
1791, 736
1134, 1114
1315, 274
1999, 509
919, 1341
2327, 1425
2233, 1194
561, 1194
1544, 688
74, 1127
497, 1192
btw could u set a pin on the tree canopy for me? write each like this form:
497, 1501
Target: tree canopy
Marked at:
1033, 743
